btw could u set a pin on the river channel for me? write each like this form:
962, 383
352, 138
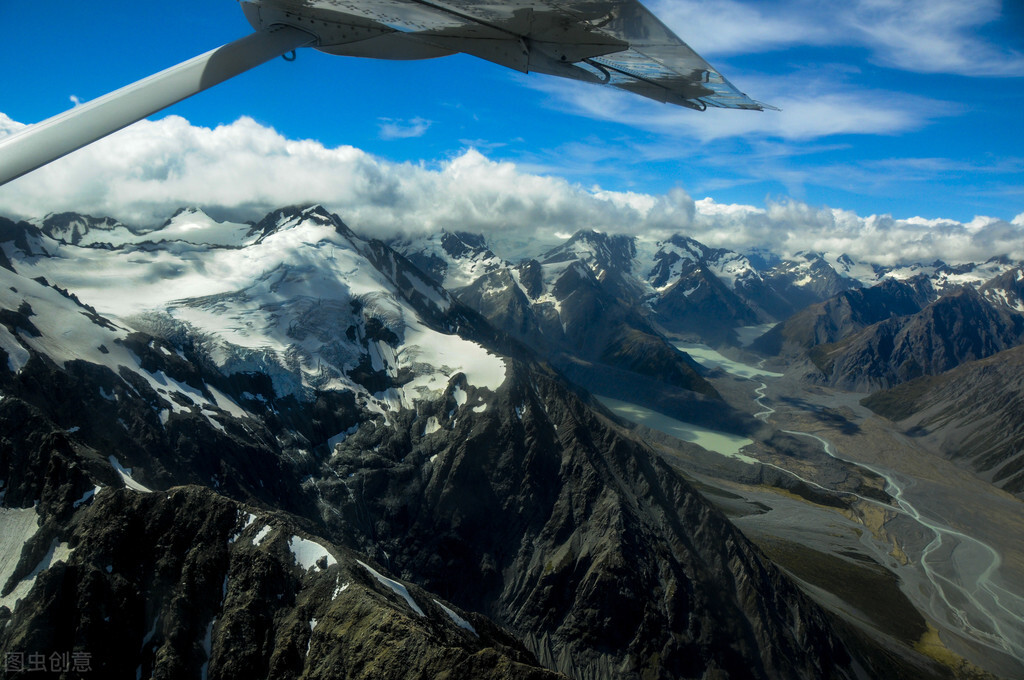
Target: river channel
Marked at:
959, 585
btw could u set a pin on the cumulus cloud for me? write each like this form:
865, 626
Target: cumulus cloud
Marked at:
924, 36
143, 173
8, 126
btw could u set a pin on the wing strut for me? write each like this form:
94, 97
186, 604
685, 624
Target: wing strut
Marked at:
39, 144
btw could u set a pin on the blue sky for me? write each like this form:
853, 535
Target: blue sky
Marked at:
889, 107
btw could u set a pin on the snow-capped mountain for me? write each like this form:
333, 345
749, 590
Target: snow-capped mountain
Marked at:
297, 455
455, 259
581, 306
807, 278
191, 225
298, 303
82, 229
1006, 290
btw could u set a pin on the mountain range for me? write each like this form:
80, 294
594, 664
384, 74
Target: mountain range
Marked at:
282, 449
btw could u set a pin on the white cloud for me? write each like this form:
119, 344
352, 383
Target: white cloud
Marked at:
391, 128
731, 27
8, 126
812, 106
925, 36
142, 174
932, 36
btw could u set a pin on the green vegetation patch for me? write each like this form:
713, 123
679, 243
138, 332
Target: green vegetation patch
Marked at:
867, 586
902, 401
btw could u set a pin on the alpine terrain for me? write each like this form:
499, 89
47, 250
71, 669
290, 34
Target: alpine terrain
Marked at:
282, 449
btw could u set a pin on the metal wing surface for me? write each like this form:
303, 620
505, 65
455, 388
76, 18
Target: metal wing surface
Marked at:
616, 42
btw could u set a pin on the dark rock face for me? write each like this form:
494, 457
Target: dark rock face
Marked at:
543, 516
973, 414
1006, 290
519, 503
698, 299
956, 328
845, 313
72, 227
535, 512
188, 583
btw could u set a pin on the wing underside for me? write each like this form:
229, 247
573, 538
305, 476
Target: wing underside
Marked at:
617, 42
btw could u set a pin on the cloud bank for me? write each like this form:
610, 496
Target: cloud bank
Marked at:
241, 171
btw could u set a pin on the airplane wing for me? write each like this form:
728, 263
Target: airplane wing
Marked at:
613, 42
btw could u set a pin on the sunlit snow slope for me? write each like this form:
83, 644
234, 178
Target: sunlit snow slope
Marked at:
296, 296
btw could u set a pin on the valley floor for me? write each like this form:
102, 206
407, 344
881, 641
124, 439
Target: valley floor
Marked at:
910, 549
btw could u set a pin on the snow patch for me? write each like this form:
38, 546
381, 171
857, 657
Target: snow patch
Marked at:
341, 436
262, 534
17, 526
312, 627
397, 587
17, 356
152, 631
85, 497
460, 396
58, 552
429, 292
308, 553
339, 589
227, 403
432, 426
126, 476
249, 520
458, 620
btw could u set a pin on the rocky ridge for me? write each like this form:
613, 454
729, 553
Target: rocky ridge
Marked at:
315, 391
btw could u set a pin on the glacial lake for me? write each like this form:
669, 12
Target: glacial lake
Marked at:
709, 358
720, 442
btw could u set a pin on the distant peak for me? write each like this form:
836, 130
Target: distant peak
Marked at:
463, 244
470, 239
185, 211
589, 235
293, 215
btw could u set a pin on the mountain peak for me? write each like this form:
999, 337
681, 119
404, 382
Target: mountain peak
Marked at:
293, 215
71, 227
185, 212
463, 243
598, 250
